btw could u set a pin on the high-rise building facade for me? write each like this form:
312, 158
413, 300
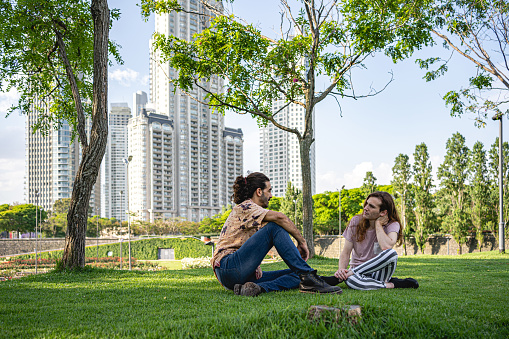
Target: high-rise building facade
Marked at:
114, 170
200, 186
140, 101
233, 164
151, 179
280, 151
51, 162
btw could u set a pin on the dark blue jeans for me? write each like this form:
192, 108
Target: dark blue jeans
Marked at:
239, 267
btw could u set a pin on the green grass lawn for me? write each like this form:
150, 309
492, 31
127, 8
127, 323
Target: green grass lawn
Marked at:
459, 297
167, 264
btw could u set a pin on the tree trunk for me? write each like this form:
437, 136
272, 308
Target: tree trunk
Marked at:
74, 251
307, 197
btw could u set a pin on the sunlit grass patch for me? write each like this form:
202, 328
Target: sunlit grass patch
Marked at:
460, 296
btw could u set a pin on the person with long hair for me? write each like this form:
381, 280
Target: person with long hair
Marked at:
369, 240
248, 234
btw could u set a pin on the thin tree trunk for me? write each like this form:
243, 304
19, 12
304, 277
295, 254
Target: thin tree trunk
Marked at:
74, 251
307, 198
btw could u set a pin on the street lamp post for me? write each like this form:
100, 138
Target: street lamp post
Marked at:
121, 204
36, 223
295, 213
97, 235
121, 217
126, 162
339, 207
501, 240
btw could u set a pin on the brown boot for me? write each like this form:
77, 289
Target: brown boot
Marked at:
249, 289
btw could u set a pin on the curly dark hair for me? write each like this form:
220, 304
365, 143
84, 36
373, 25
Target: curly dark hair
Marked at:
244, 188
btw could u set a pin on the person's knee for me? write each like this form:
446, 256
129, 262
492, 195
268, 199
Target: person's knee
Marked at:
350, 284
391, 253
273, 226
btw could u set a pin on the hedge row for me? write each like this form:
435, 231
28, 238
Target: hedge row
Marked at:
145, 249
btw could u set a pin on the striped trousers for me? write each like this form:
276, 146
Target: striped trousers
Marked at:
372, 274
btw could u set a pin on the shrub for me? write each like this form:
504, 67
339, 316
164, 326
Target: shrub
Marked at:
202, 262
144, 249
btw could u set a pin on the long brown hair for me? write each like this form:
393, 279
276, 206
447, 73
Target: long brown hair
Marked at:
244, 188
392, 213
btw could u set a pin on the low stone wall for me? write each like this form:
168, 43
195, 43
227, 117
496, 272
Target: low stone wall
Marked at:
329, 246
26, 245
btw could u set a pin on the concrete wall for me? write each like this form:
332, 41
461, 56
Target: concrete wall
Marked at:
24, 245
328, 246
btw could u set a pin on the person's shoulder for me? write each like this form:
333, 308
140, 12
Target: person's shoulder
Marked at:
355, 220
393, 226
245, 205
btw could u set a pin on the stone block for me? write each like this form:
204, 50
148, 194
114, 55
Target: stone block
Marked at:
353, 313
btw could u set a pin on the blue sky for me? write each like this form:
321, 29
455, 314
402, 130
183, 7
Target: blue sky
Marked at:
367, 137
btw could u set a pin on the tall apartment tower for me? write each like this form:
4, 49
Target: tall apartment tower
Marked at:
140, 100
199, 185
280, 152
151, 179
51, 162
233, 163
114, 171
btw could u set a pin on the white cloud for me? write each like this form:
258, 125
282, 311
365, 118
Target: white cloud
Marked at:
8, 99
11, 180
355, 177
144, 80
436, 161
251, 151
328, 181
332, 181
127, 77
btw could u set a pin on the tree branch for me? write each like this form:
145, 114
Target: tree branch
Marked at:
338, 76
242, 109
74, 89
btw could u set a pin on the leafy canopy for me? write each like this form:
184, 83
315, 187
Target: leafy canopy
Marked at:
478, 31
323, 40
33, 37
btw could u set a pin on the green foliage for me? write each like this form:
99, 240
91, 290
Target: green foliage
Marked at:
331, 40
55, 226
352, 201
479, 190
493, 169
61, 206
476, 30
403, 192
291, 205
368, 184
144, 249
147, 249
21, 218
215, 224
31, 57
275, 204
423, 199
453, 175
326, 207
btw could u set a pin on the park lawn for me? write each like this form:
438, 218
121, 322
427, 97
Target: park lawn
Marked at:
459, 297
167, 264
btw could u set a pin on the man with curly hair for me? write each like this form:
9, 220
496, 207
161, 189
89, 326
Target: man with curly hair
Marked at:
248, 234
